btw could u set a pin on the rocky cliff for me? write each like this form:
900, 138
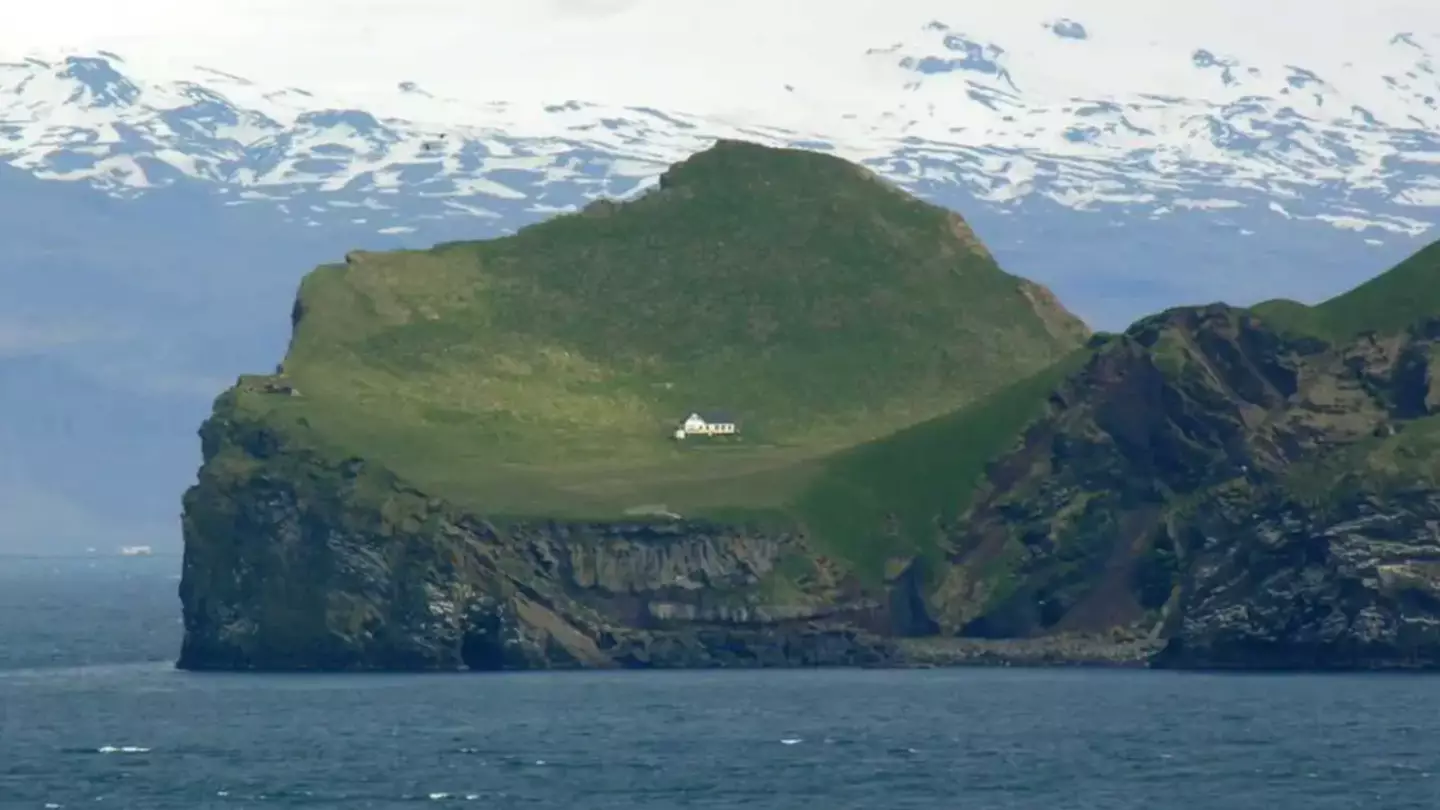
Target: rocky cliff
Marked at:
295, 561
1217, 491
1354, 585
465, 459
1246, 497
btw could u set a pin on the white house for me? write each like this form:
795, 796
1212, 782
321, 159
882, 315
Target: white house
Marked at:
708, 424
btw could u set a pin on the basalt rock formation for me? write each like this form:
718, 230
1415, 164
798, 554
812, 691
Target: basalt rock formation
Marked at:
296, 562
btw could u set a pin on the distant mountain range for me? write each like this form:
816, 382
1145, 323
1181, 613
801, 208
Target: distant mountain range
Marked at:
157, 208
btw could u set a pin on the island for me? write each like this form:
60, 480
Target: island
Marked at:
775, 412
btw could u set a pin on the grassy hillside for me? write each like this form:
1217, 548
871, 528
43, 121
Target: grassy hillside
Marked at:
917, 479
1203, 480
542, 373
1387, 303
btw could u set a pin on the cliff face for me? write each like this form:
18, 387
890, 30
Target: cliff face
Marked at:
1205, 491
939, 463
294, 562
1356, 585
1250, 499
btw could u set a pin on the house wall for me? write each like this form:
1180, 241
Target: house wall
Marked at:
699, 427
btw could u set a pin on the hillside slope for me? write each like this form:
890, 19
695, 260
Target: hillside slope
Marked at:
1246, 491
543, 373
1391, 301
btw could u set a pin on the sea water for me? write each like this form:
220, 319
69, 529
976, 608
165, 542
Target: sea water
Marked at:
93, 715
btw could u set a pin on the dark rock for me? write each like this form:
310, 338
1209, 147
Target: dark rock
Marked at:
292, 564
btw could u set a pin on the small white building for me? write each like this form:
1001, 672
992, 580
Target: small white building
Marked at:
707, 424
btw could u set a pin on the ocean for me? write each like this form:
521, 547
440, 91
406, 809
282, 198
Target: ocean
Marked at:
93, 714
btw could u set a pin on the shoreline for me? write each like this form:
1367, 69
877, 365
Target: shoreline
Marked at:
1051, 652
1055, 652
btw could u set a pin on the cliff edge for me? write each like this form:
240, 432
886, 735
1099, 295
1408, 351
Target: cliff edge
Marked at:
297, 561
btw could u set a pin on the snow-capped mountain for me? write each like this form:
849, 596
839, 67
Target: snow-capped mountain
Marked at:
165, 181
944, 106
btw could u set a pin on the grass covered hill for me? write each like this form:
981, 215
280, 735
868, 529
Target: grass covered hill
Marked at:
1389, 302
466, 459
543, 373
1259, 486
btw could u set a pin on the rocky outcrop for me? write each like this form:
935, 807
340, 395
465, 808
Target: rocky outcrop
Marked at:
1354, 585
1248, 498
293, 562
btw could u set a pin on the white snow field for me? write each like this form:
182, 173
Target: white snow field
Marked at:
1253, 94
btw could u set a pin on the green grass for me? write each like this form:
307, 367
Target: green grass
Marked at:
542, 373
1389, 302
1377, 464
888, 498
